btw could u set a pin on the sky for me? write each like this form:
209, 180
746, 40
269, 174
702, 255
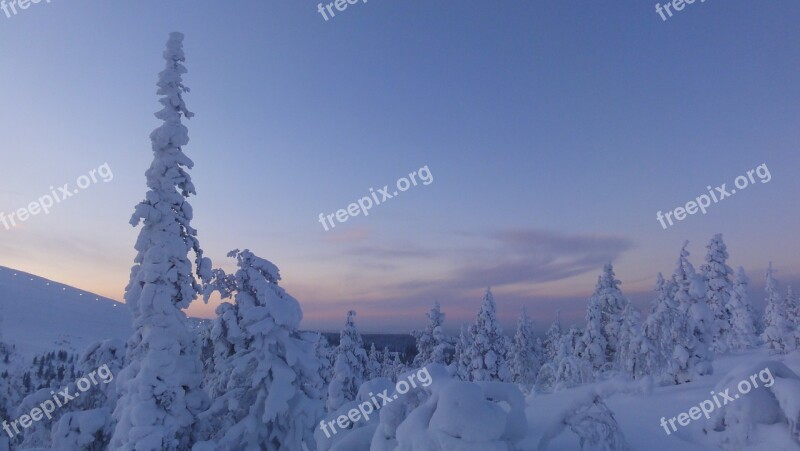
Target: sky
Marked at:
552, 132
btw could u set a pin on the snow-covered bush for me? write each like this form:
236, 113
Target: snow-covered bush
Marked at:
593, 423
434, 419
775, 401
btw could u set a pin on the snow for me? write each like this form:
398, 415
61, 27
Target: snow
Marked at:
38, 313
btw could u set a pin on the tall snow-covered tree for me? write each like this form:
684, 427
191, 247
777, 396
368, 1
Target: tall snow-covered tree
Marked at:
717, 277
552, 339
271, 397
743, 334
777, 334
659, 327
634, 351
791, 308
693, 356
524, 359
462, 359
326, 356
488, 351
160, 393
571, 343
605, 312
349, 368
594, 346
433, 345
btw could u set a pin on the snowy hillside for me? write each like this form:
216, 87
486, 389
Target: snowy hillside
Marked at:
39, 315
639, 408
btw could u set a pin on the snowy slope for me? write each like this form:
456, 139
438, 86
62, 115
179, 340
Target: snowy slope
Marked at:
638, 412
39, 314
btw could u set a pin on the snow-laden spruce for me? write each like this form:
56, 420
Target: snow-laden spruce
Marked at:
349, 368
552, 338
743, 334
659, 329
433, 345
526, 353
160, 394
461, 360
692, 355
778, 335
374, 367
603, 321
634, 350
717, 277
593, 345
488, 351
270, 397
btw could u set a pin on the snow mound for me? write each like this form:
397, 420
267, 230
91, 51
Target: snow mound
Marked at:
766, 402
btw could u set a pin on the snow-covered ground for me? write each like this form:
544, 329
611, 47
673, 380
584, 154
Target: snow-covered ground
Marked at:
638, 410
40, 315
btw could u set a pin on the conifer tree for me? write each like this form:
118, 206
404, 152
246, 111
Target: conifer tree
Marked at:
160, 394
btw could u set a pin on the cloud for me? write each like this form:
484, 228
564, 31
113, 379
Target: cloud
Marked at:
517, 256
352, 235
509, 260
536, 256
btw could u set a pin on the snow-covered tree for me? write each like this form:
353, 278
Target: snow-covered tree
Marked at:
160, 393
488, 351
604, 318
461, 360
634, 350
349, 368
552, 339
717, 277
326, 356
594, 345
791, 308
271, 398
659, 327
374, 367
692, 356
433, 345
777, 333
571, 343
743, 333
88, 427
524, 360
393, 366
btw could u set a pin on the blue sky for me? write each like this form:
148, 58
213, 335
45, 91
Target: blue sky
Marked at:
554, 131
